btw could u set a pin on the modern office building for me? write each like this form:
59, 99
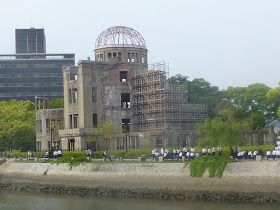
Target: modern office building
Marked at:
30, 41
31, 71
23, 79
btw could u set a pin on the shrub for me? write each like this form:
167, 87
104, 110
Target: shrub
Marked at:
215, 165
72, 162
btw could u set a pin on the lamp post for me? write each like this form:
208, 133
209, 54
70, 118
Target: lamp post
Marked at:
11, 140
51, 149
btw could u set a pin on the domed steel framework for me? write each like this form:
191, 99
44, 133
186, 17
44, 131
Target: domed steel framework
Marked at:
120, 36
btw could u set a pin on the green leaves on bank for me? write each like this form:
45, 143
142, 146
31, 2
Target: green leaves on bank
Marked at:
72, 161
215, 165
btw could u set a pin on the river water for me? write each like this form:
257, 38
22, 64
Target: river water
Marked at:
39, 200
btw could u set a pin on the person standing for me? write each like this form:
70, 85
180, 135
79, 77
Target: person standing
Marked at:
209, 151
219, 150
88, 152
213, 151
204, 151
59, 153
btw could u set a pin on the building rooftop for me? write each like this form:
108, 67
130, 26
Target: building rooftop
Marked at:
120, 36
38, 56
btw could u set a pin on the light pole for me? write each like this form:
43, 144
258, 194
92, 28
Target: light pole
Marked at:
11, 140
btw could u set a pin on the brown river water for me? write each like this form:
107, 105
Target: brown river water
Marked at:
39, 200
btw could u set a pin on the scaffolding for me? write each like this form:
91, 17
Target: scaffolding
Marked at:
159, 105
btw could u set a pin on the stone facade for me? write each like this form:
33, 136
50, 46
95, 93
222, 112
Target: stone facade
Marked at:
260, 137
120, 86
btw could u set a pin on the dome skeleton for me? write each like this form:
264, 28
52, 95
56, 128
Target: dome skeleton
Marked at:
120, 35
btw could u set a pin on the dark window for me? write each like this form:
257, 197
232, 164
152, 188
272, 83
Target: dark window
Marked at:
94, 120
70, 96
94, 99
70, 121
75, 95
125, 100
123, 76
158, 143
75, 116
126, 125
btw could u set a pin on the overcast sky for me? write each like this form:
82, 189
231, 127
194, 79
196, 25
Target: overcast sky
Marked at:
226, 42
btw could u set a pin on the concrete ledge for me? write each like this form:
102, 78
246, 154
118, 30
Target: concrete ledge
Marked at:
249, 178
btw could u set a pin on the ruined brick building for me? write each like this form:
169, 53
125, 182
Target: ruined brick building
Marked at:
121, 87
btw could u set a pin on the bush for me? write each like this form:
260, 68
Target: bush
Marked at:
72, 162
138, 153
75, 154
215, 165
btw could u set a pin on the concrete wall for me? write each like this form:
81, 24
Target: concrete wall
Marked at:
259, 179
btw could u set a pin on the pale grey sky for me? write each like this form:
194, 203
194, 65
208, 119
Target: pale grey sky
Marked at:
226, 42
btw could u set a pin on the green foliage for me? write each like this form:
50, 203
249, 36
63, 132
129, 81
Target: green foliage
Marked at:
118, 153
200, 91
215, 165
223, 130
72, 161
138, 153
56, 103
17, 117
98, 154
74, 154
273, 97
255, 102
109, 133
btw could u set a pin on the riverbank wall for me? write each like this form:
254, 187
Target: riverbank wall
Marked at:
243, 181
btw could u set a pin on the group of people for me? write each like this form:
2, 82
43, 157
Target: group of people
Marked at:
30, 154
56, 154
190, 154
90, 153
247, 155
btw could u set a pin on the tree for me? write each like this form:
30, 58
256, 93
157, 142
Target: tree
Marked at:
200, 91
253, 104
56, 103
18, 118
109, 133
273, 96
223, 130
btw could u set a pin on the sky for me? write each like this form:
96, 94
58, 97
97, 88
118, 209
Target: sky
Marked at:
226, 42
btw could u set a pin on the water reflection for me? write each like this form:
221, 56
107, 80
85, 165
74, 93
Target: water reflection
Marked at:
36, 200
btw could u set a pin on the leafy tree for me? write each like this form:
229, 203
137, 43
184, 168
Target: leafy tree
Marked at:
17, 122
109, 133
223, 130
200, 91
273, 96
253, 104
56, 103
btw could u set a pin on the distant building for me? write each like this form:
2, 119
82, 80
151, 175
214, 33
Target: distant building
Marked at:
30, 41
31, 72
121, 87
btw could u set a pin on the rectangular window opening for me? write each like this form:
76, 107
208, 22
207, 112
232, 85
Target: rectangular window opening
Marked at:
123, 76
126, 125
94, 120
94, 98
75, 95
125, 100
75, 118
